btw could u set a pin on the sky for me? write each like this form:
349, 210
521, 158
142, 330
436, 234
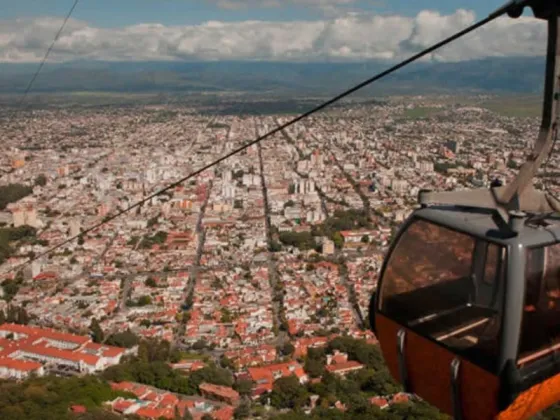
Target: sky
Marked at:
288, 30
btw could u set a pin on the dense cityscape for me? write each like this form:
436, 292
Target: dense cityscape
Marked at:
209, 300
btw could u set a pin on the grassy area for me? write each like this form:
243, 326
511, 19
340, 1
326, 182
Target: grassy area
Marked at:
192, 356
515, 106
420, 112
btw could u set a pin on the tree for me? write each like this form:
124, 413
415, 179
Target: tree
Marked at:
151, 282
145, 300
226, 362
242, 411
97, 332
12, 193
287, 349
80, 240
41, 180
153, 221
552, 413
379, 382
123, 339
314, 367
211, 374
226, 316
301, 240
22, 316
187, 414
275, 247
512, 164
156, 350
358, 350
288, 393
186, 317
419, 410
50, 397
338, 240
365, 239
11, 315
244, 387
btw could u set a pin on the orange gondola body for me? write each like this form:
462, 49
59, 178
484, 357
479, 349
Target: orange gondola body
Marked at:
468, 317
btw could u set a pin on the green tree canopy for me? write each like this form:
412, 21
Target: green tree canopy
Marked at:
244, 387
96, 331
41, 180
288, 393
212, 374
123, 339
314, 367
243, 411
49, 397
13, 192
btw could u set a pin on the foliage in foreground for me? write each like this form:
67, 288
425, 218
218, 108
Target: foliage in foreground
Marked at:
49, 398
151, 368
409, 411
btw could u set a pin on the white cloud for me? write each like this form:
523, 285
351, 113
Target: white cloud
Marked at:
243, 4
353, 36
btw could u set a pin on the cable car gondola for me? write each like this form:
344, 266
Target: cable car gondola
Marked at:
467, 309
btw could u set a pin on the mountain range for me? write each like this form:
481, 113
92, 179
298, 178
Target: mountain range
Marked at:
503, 74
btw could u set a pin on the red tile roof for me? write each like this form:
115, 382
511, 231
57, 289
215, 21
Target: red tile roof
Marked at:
62, 354
345, 366
45, 333
378, 401
78, 409
221, 391
20, 365
401, 397
264, 375
122, 405
104, 350
225, 413
151, 413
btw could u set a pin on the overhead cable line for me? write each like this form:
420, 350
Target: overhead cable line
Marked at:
491, 17
42, 63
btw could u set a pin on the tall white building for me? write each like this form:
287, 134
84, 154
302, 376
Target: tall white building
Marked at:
399, 186
75, 227
24, 213
305, 186
228, 190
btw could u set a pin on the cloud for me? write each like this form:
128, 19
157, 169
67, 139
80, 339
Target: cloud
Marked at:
243, 4
349, 37
328, 8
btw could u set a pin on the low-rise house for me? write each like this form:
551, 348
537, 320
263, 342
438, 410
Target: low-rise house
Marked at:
220, 393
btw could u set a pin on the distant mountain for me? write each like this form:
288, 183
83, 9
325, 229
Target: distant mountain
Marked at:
517, 74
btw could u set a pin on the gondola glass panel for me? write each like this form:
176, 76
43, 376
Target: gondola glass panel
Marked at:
445, 285
540, 329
